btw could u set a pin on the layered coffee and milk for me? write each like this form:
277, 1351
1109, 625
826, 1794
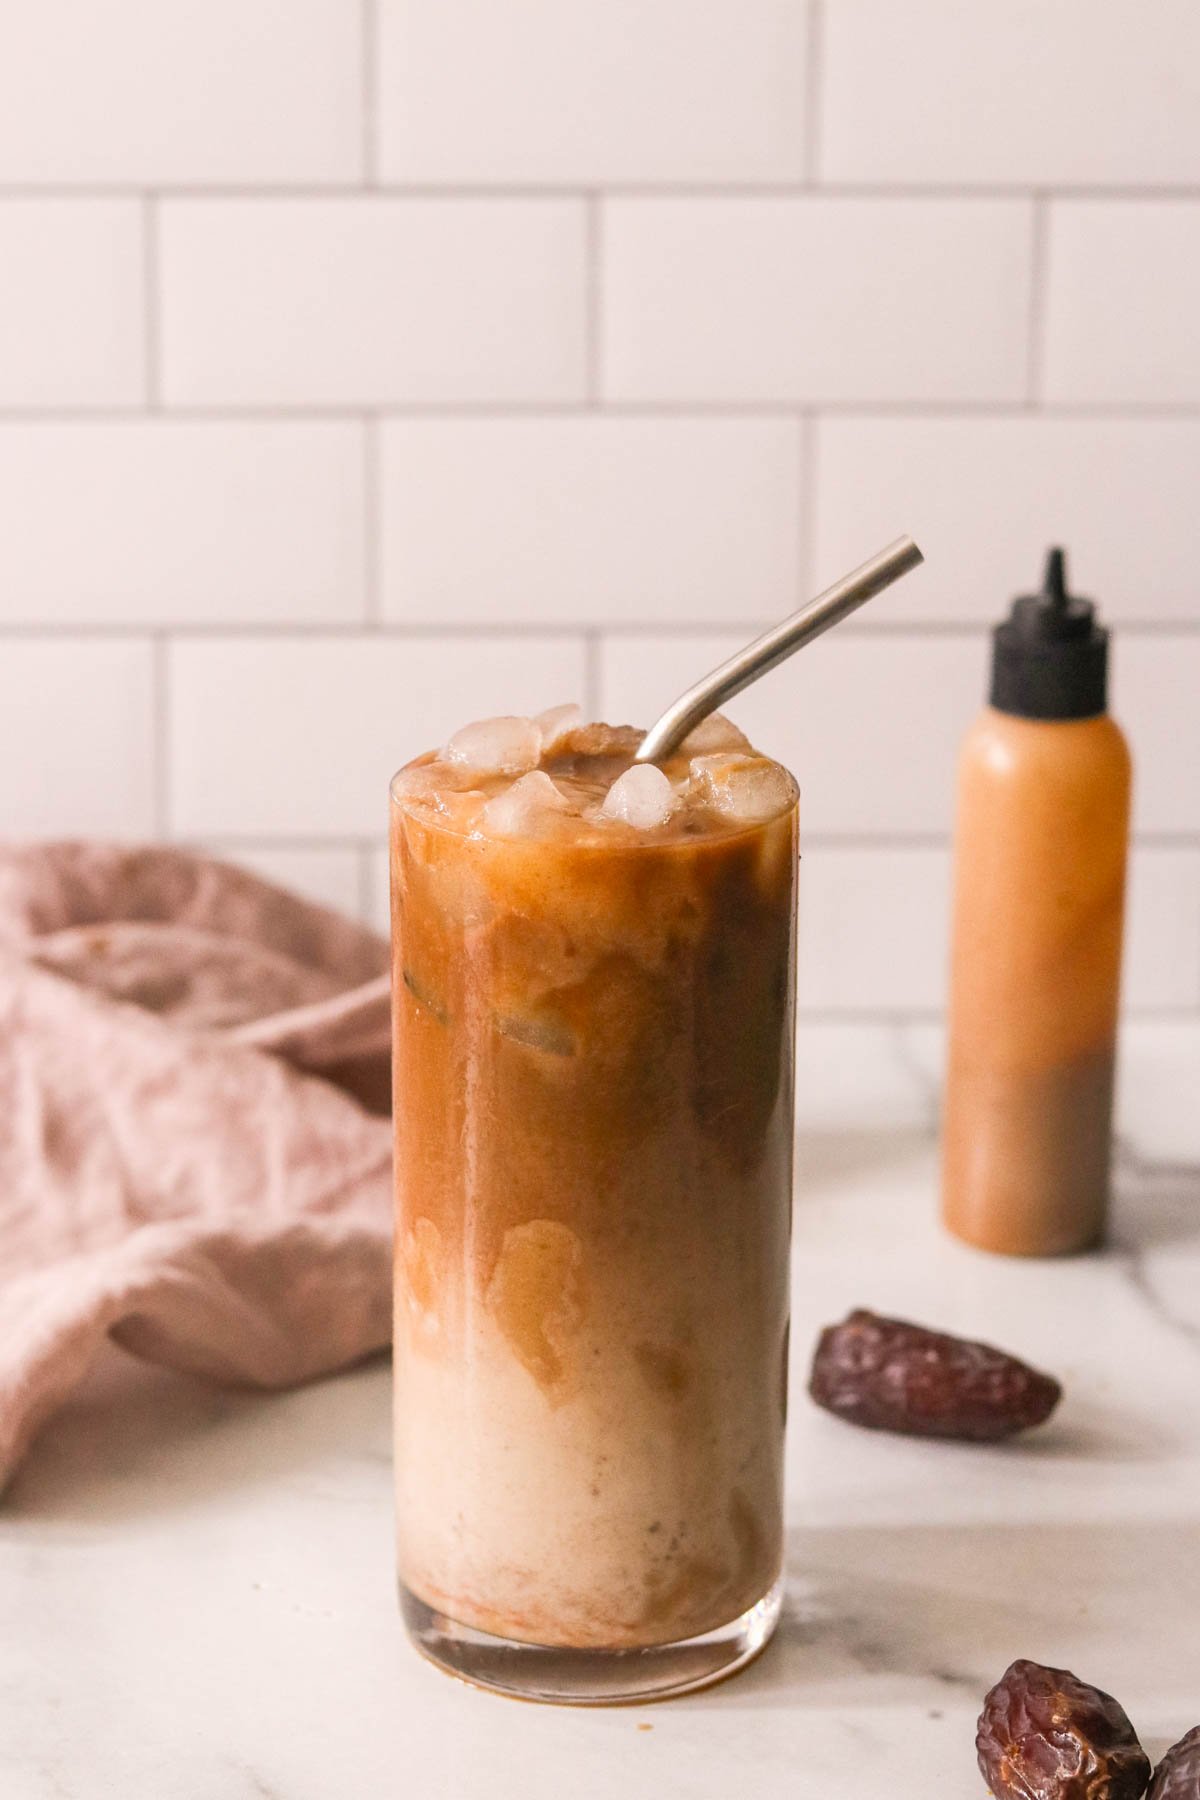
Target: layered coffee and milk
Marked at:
592, 981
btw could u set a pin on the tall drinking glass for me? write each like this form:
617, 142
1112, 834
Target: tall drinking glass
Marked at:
593, 1104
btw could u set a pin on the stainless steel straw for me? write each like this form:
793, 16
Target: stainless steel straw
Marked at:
669, 731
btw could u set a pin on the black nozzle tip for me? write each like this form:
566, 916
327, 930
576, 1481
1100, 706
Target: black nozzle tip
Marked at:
1054, 583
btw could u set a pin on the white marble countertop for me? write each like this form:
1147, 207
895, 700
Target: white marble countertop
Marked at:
196, 1589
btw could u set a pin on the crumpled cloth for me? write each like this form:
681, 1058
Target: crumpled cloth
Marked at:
195, 1154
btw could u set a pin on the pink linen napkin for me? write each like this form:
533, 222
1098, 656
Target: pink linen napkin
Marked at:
195, 1157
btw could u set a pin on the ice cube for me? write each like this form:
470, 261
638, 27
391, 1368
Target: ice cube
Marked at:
441, 788
715, 733
556, 722
416, 781
505, 746
746, 789
642, 796
547, 1035
523, 807
423, 994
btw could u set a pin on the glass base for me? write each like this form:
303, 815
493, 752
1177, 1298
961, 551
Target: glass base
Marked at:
590, 1677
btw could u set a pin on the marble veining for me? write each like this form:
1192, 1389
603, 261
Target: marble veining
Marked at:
197, 1592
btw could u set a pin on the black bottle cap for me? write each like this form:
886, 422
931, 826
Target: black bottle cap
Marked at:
1050, 657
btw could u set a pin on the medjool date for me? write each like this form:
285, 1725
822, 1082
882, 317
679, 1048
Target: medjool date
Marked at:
889, 1375
1045, 1735
1177, 1776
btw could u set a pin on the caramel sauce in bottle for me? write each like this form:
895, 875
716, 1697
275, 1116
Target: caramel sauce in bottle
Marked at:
1043, 824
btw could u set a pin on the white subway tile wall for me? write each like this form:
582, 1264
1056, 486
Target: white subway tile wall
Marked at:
168, 521
1011, 93
985, 495
148, 93
815, 299
371, 301
600, 520
565, 92
1123, 301
72, 303
77, 737
369, 366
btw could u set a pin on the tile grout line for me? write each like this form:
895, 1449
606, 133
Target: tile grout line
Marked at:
556, 630
814, 51
884, 841
348, 412
372, 590
151, 304
1036, 345
593, 254
369, 27
787, 188
340, 842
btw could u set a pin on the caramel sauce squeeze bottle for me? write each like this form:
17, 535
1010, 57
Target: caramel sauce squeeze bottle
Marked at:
1041, 846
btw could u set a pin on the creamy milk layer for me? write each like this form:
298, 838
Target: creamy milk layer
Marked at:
592, 981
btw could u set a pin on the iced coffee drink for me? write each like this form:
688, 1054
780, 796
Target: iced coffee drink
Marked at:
593, 980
